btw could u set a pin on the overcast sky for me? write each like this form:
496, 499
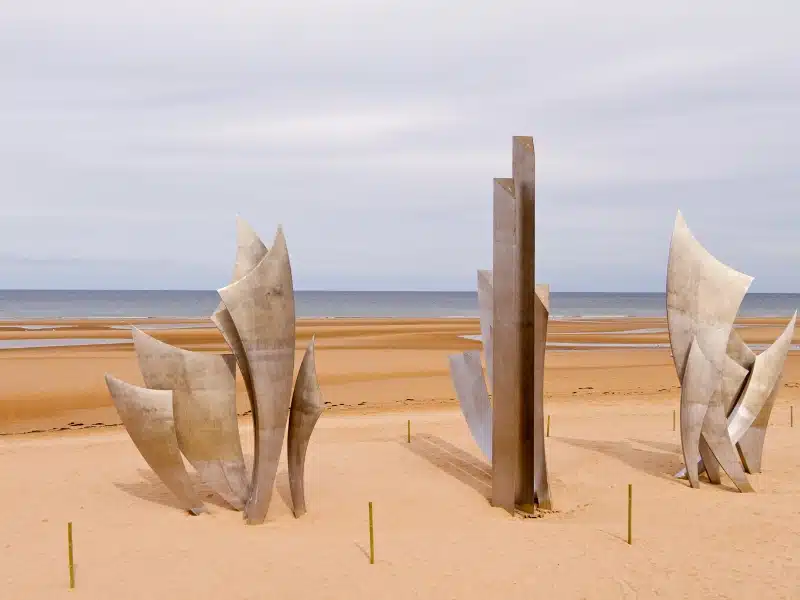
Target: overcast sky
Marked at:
132, 133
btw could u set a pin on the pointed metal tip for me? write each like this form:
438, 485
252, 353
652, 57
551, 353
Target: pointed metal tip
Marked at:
140, 336
244, 227
280, 238
310, 347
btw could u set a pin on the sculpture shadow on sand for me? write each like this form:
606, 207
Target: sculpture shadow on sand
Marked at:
454, 461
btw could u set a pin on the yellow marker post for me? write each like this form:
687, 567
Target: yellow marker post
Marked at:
371, 538
548, 426
69, 550
673, 420
409, 431
630, 511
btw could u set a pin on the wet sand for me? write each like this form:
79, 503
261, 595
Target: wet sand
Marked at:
364, 365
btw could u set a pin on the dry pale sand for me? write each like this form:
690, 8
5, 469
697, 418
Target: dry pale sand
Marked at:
436, 535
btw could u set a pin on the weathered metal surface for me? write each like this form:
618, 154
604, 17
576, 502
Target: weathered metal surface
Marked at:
708, 462
507, 368
466, 372
523, 172
767, 371
739, 351
148, 418
250, 251
261, 306
541, 483
307, 406
703, 299
702, 414
518, 334
204, 406
485, 307
715, 433
751, 444
698, 385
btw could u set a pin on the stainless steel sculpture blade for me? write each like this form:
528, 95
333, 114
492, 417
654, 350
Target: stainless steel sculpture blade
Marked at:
702, 414
767, 371
250, 250
541, 484
698, 385
518, 333
758, 397
261, 306
739, 351
703, 299
307, 406
466, 372
204, 405
147, 416
485, 299
708, 462
715, 433
732, 380
751, 444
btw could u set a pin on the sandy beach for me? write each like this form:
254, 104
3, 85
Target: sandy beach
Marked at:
63, 458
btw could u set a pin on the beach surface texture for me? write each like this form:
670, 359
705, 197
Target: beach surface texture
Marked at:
610, 392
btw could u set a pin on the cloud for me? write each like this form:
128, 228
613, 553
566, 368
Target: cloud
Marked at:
132, 133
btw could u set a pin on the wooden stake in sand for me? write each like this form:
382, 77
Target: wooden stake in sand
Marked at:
791, 415
69, 551
673, 419
630, 510
409, 431
371, 537
548, 425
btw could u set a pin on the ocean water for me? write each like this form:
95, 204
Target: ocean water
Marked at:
38, 304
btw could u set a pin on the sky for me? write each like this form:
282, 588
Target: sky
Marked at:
133, 133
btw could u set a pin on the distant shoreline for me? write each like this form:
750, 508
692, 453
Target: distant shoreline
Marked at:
164, 305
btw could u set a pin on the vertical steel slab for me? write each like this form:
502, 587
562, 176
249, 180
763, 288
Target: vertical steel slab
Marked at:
506, 368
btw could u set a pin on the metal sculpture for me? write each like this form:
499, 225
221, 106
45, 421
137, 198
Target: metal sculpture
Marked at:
147, 416
307, 406
204, 404
250, 250
514, 313
261, 306
257, 320
727, 392
466, 371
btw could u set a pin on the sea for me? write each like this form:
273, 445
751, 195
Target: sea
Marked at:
42, 304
